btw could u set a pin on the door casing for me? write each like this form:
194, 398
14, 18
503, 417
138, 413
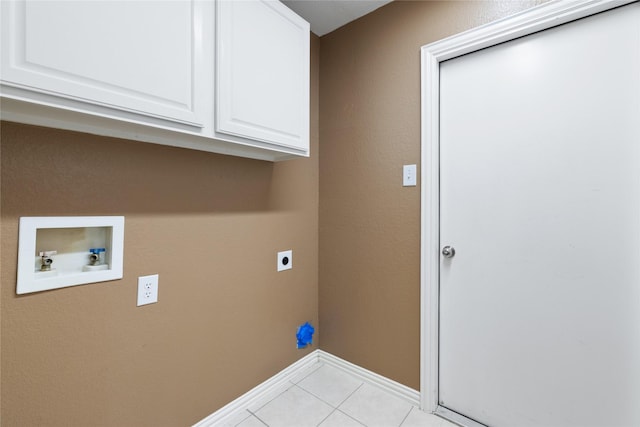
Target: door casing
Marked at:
540, 18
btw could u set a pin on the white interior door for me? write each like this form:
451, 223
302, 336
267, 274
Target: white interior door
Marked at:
540, 197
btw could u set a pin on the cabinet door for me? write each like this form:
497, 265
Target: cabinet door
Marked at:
262, 66
134, 56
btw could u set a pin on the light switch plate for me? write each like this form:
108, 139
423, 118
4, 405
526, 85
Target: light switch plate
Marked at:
285, 260
409, 176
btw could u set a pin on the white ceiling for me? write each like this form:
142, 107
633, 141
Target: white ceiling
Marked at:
328, 15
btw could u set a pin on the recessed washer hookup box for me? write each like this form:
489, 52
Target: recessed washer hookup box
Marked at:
57, 252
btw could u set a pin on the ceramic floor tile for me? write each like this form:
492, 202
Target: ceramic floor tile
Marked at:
252, 422
268, 397
330, 384
294, 408
375, 408
417, 418
339, 419
306, 372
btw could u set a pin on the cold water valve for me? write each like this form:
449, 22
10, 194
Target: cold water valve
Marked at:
97, 260
96, 256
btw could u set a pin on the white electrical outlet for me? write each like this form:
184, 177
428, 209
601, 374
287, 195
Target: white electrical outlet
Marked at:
147, 289
285, 260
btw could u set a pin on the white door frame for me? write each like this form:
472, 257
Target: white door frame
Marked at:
540, 18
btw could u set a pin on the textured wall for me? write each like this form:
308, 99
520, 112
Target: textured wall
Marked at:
209, 225
369, 223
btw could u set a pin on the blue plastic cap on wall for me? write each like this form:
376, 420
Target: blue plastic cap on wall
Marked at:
305, 335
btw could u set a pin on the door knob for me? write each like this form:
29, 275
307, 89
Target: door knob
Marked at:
448, 252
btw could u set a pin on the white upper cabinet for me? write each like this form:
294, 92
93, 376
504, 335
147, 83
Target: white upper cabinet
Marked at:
262, 70
134, 56
226, 76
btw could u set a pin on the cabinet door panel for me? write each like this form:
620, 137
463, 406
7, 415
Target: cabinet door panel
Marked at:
138, 56
262, 73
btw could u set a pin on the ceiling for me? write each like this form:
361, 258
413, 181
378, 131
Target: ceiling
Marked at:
328, 15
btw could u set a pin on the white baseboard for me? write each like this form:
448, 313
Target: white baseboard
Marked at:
259, 391
406, 393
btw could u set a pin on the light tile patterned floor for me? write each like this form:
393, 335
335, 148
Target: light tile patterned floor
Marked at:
326, 396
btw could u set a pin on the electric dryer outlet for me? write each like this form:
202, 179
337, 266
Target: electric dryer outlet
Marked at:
285, 260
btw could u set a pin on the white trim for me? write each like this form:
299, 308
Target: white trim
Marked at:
410, 395
430, 239
390, 386
530, 21
259, 391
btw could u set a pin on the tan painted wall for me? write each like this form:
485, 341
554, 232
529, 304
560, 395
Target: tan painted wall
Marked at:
210, 225
369, 223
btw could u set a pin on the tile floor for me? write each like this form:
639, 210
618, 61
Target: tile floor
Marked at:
326, 396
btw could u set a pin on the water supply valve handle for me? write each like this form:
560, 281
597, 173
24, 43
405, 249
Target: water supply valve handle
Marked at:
94, 255
46, 260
